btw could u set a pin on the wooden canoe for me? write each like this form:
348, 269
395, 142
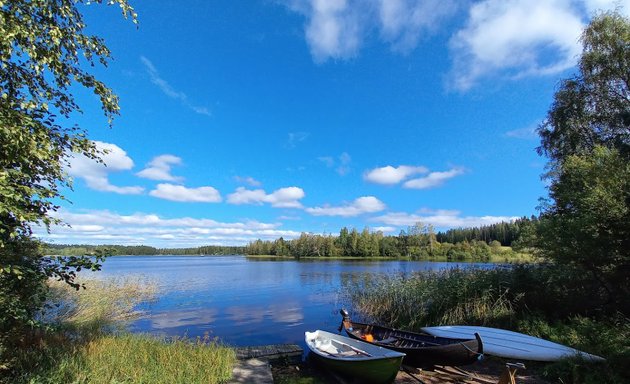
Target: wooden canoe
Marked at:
362, 361
422, 350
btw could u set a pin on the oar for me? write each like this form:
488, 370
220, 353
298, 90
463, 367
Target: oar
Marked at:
354, 349
360, 352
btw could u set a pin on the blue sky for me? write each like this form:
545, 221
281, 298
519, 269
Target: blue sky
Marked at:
261, 119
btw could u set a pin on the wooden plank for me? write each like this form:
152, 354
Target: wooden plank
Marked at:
268, 351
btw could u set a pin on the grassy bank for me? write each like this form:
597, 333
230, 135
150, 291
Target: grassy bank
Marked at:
84, 342
125, 358
536, 299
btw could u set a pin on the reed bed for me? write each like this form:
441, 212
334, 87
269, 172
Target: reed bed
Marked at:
447, 297
102, 305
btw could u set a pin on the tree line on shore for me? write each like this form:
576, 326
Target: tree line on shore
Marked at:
419, 241
137, 250
506, 233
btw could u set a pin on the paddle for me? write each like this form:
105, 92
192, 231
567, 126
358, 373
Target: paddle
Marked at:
357, 350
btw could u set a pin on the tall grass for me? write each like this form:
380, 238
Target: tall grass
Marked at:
131, 358
104, 304
85, 342
448, 297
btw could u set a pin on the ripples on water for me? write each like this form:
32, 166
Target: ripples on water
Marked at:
249, 301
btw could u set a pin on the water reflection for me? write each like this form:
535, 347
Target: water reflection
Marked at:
182, 318
250, 301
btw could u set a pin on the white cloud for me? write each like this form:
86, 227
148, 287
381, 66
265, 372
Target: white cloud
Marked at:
284, 217
362, 205
281, 198
402, 22
243, 195
286, 197
99, 227
384, 229
335, 29
168, 90
341, 163
327, 160
526, 133
392, 175
515, 38
440, 219
96, 174
180, 193
247, 180
518, 38
107, 218
344, 164
87, 228
433, 179
499, 38
160, 168
295, 138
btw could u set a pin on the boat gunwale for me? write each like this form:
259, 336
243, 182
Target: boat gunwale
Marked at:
361, 326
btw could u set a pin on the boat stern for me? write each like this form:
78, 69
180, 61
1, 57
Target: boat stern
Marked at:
346, 322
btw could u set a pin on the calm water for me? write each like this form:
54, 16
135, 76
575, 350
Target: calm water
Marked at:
249, 301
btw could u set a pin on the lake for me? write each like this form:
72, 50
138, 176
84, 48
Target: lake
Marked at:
250, 301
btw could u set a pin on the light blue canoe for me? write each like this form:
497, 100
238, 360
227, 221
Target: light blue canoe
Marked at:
512, 345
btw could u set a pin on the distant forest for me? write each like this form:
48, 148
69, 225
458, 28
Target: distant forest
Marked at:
137, 250
505, 233
418, 241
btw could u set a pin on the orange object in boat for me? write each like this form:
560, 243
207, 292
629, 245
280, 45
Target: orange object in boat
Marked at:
369, 338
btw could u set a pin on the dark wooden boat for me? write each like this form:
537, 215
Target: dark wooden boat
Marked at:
422, 350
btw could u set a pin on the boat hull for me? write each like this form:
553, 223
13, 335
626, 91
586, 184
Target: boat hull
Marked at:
513, 345
381, 372
377, 366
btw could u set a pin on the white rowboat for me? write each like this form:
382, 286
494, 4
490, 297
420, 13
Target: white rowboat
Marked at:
370, 363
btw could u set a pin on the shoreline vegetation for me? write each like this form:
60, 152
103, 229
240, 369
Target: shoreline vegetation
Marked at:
83, 340
507, 256
504, 257
542, 300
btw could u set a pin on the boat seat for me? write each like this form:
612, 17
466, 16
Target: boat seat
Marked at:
338, 350
389, 340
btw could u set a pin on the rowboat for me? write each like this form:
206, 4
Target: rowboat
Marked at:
422, 350
362, 361
513, 345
